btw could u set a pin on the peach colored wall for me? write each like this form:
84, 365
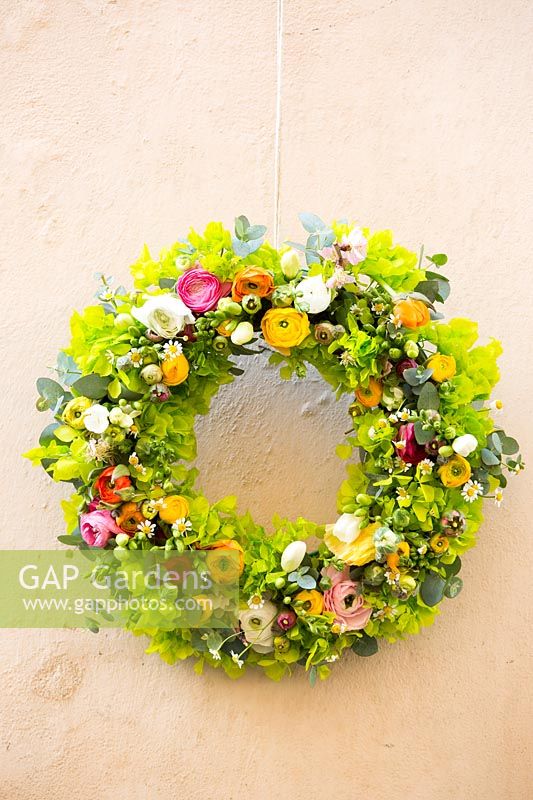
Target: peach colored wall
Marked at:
124, 122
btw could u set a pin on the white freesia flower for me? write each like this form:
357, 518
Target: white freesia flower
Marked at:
347, 528
464, 445
314, 293
290, 263
257, 624
292, 556
243, 333
96, 418
164, 314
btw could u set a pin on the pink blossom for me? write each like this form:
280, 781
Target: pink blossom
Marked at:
200, 290
287, 619
347, 604
335, 575
407, 447
97, 527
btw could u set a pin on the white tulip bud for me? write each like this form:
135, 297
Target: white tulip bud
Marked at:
243, 333
347, 528
290, 263
464, 445
292, 556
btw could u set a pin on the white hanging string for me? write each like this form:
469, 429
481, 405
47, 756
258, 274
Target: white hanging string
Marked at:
277, 134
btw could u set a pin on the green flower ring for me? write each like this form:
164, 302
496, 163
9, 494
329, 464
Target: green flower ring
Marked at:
361, 310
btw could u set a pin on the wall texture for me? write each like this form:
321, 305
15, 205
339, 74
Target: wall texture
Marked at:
126, 121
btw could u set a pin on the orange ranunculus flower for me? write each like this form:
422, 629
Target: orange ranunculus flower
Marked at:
252, 280
411, 313
226, 328
228, 544
443, 367
175, 370
370, 395
173, 507
284, 328
130, 517
455, 472
225, 560
312, 601
106, 488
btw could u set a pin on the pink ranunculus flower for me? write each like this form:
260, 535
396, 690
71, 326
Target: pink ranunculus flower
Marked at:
200, 290
347, 605
407, 447
335, 575
97, 527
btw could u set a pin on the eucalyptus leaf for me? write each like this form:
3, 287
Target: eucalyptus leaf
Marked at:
92, 386
432, 589
365, 645
167, 283
311, 222
423, 436
241, 226
255, 232
489, 458
47, 434
453, 587
509, 445
428, 398
306, 581
50, 390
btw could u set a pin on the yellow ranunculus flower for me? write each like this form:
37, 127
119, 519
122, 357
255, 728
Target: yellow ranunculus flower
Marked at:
74, 411
443, 367
455, 472
173, 507
175, 370
356, 553
312, 601
285, 327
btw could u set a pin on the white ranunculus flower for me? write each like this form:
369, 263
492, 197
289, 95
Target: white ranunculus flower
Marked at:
164, 314
96, 418
243, 333
314, 292
347, 528
290, 263
464, 445
257, 624
292, 556
118, 417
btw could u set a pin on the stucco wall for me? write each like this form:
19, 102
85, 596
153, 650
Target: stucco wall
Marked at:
124, 122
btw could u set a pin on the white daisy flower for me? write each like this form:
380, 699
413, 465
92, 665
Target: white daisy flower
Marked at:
235, 658
471, 491
498, 496
135, 357
256, 602
393, 418
404, 415
172, 349
496, 406
181, 527
426, 466
378, 308
330, 659
402, 493
146, 528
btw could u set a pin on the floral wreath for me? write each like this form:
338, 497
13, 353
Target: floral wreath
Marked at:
142, 365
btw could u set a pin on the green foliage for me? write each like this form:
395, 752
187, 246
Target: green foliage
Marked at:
144, 430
